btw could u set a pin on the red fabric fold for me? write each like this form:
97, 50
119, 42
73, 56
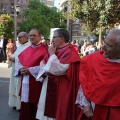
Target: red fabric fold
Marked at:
99, 79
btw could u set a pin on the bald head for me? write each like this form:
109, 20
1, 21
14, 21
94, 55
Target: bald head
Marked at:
116, 34
111, 45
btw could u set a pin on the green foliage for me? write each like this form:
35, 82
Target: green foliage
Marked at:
6, 26
96, 13
42, 17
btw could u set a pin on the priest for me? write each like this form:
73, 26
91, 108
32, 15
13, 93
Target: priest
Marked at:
100, 82
15, 83
59, 72
28, 67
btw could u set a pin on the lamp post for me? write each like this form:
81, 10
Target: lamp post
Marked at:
16, 12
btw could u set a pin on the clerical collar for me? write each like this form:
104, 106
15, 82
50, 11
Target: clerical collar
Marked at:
37, 45
66, 45
25, 42
114, 60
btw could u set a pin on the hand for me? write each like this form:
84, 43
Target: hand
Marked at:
24, 71
51, 49
12, 59
88, 111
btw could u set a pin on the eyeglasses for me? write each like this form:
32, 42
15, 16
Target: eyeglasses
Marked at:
56, 36
108, 45
19, 37
33, 35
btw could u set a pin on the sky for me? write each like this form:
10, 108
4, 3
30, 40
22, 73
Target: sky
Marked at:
57, 3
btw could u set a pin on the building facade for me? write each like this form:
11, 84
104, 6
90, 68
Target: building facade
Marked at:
74, 27
49, 3
8, 7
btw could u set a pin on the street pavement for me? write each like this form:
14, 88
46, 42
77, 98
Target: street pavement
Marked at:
6, 113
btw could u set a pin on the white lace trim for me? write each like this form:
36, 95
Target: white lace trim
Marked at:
81, 100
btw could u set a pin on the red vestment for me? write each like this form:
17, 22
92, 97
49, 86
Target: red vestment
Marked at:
62, 90
76, 48
31, 57
100, 81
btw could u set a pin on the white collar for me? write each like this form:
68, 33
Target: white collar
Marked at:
114, 60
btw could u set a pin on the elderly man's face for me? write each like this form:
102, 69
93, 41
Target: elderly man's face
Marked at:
57, 40
110, 47
22, 38
34, 37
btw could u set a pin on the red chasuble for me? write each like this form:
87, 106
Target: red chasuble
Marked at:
62, 90
31, 57
100, 79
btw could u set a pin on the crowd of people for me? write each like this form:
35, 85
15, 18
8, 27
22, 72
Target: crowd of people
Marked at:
86, 47
49, 81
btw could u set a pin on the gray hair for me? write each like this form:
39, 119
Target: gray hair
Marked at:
116, 32
63, 33
24, 34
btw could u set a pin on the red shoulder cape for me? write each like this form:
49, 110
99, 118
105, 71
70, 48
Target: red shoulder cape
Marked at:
32, 57
100, 79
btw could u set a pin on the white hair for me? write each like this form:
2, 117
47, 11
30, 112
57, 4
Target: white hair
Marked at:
116, 32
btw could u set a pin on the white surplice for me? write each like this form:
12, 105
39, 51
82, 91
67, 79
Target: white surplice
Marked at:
14, 86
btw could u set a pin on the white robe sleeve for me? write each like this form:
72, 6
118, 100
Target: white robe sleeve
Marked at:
53, 66
81, 100
34, 71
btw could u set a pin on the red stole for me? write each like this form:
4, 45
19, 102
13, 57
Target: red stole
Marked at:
62, 90
31, 57
100, 79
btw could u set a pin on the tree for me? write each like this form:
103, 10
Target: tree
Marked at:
42, 17
6, 26
100, 14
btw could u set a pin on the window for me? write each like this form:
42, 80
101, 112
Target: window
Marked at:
77, 28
